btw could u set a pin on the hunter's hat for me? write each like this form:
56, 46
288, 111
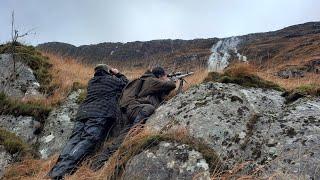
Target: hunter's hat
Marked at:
158, 71
102, 67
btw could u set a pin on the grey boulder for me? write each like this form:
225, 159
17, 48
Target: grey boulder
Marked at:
25, 85
58, 126
23, 126
5, 160
248, 125
168, 161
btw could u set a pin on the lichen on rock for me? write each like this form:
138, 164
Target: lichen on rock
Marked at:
23, 126
247, 124
58, 126
25, 84
168, 161
5, 160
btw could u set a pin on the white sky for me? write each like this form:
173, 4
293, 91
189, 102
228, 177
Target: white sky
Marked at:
93, 21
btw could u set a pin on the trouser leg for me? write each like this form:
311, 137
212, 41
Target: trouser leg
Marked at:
94, 131
143, 112
57, 170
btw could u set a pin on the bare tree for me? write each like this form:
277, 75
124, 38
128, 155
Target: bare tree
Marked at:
15, 36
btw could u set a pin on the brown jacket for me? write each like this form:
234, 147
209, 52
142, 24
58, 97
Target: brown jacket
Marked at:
146, 90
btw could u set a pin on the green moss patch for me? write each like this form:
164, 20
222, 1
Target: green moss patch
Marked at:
12, 143
246, 80
33, 58
17, 108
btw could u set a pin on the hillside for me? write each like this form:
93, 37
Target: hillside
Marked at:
251, 109
174, 53
265, 49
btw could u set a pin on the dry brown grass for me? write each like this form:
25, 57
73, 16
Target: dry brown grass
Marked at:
195, 79
65, 73
291, 83
133, 73
239, 69
269, 74
30, 169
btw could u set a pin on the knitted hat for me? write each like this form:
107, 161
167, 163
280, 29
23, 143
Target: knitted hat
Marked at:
103, 67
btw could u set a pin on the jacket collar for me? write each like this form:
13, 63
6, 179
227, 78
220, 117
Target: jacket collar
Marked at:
148, 74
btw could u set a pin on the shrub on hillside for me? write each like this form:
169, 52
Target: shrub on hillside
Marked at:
33, 58
242, 74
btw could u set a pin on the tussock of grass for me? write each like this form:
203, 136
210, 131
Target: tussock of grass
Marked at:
35, 60
31, 169
12, 143
309, 89
243, 75
17, 108
301, 91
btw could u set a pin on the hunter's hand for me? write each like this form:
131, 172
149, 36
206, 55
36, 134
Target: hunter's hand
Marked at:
114, 71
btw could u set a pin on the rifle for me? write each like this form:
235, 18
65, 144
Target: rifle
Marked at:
179, 76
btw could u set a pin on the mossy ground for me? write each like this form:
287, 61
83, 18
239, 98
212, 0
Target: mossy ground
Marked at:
17, 108
246, 80
12, 143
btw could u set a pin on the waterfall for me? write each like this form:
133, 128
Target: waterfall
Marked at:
221, 54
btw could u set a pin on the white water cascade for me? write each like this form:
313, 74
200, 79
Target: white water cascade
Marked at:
220, 57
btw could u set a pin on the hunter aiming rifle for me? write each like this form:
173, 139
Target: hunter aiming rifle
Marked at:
179, 76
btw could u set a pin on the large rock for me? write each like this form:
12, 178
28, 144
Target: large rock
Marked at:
25, 84
247, 124
23, 126
5, 160
292, 72
294, 138
58, 126
167, 161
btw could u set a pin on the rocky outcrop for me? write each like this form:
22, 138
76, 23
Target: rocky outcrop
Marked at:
248, 124
168, 161
25, 84
58, 126
24, 127
298, 71
5, 160
292, 72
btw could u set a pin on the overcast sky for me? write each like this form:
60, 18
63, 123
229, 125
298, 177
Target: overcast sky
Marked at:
93, 21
